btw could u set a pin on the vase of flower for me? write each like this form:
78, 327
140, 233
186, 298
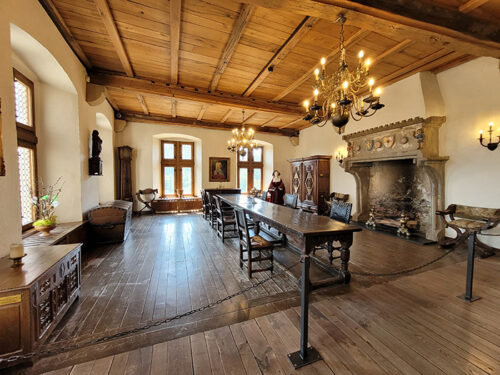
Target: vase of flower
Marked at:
179, 192
44, 229
45, 206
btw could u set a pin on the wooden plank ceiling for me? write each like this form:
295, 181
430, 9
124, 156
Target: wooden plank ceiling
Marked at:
200, 62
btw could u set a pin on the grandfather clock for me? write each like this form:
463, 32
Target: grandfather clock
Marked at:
125, 173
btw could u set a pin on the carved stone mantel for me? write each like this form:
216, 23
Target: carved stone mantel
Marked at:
416, 139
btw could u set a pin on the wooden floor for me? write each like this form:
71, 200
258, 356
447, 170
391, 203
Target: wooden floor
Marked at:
413, 325
173, 263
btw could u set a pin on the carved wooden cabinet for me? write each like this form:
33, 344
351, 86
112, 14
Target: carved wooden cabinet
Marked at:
311, 181
125, 173
35, 297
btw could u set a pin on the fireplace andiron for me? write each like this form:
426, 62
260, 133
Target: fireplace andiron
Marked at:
403, 226
371, 219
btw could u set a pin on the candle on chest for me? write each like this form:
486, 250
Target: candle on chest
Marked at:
16, 250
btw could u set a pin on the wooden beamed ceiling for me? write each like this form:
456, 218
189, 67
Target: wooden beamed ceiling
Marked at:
199, 62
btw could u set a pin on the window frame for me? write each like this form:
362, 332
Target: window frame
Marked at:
178, 163
251, 165
26, 134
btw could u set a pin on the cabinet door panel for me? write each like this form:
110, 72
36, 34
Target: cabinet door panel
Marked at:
10, 328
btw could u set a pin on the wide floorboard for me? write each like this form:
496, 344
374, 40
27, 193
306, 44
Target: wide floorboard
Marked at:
413, 325
171, 264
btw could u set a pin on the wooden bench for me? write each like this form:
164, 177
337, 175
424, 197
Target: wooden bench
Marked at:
465, 220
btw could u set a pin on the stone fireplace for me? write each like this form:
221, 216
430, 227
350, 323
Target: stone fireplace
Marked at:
397, 168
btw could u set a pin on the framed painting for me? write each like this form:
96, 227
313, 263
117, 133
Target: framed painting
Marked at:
219, 169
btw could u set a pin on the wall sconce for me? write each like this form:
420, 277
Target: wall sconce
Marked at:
340, 156
490, 145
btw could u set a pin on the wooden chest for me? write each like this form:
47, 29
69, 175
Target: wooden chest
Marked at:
35, 297
110, 222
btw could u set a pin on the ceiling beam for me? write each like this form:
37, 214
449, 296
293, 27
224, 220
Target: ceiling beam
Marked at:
111, 100
270, 120
63, 28
470, 5
291, 123
182, 121
175, 37
147, 86
202, 112
458, 61
429, 62
248, 118
109, 23
304, 77
391, 51
239, 26
173, 108
297, 35
226, 116
143, 104
409, 19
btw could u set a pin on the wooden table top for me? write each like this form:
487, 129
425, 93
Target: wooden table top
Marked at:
302, 223
62, 229
38, 260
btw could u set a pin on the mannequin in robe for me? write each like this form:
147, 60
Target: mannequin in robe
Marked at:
276, 188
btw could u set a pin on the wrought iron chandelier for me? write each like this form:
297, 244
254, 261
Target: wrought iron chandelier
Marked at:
242, 139
338, 95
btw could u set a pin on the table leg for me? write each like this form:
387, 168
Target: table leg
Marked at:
305, 355
345, 254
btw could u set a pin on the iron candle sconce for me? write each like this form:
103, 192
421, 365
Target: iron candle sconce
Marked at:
490, 145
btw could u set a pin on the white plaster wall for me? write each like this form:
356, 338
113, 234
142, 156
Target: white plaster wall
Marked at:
106, 182
469, 96
144, 139
29, 16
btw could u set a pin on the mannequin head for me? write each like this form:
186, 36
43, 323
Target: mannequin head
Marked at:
276, 176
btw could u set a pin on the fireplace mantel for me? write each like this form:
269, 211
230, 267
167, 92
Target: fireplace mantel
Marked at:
416, 139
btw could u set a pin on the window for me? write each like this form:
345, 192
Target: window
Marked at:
250, 170
177, 167
26, 145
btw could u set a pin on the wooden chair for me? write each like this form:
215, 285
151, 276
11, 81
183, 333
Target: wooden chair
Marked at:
340, 211
212, 211
252, 245
146, 196
226, 222
291, 200
465, 220
263, 196
205, 205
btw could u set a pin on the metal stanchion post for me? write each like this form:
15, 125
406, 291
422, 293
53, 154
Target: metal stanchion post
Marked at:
470, 270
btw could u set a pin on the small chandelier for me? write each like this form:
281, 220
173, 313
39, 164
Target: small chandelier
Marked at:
337, 96
242, 139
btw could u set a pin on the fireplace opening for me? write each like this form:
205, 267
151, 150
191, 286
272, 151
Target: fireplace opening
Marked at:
397, 188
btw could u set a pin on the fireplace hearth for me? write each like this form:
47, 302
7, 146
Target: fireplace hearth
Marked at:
398, 170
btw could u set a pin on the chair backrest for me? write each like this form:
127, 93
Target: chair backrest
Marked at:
264, 195
242, 225
146, 195
476, 213
291, 200
339, 197
341, 211
218, 205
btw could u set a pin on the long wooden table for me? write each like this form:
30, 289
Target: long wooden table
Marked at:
308, 230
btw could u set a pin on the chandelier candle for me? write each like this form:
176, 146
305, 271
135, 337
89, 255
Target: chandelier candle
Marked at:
338, 96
